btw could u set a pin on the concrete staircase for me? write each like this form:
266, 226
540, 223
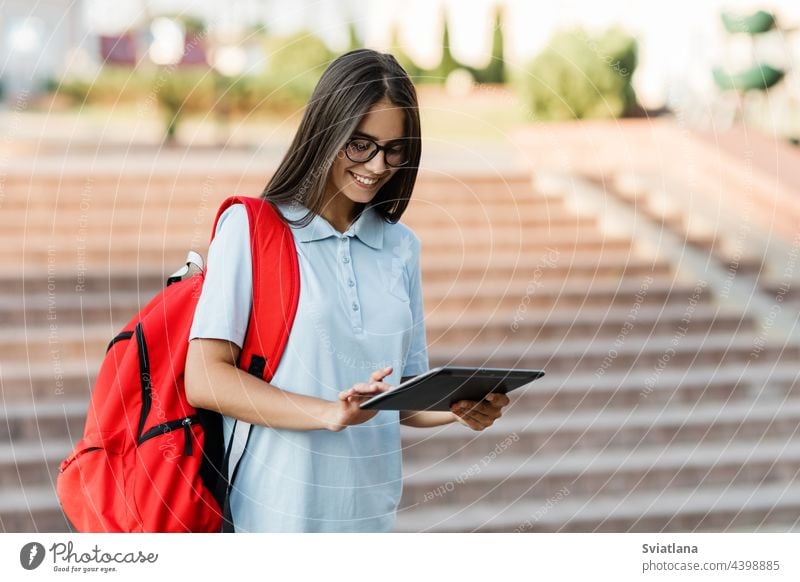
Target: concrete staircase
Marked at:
653, 416
665, 408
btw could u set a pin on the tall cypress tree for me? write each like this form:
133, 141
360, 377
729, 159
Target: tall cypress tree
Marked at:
352, 34
448, 64
495, 70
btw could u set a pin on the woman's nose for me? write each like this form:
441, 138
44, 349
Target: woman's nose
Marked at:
377, 165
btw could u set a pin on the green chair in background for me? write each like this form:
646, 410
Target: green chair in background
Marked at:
759, 77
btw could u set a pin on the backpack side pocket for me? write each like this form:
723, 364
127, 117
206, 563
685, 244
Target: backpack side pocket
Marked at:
94, 486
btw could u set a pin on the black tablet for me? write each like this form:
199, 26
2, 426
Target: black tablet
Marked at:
440, 387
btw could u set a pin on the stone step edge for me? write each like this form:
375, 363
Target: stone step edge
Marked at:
599, 508
512, 464
703, 415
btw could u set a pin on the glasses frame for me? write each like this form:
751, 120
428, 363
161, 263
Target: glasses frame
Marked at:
378, 148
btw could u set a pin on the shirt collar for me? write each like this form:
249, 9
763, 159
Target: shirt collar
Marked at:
368, 227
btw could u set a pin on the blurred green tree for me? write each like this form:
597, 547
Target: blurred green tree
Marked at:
353, 42
294, 65
448, 62
494, 72
179, 92
579, 76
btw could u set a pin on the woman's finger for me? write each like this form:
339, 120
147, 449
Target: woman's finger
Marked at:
480, 418
498, 399
364, 390
481, 408
471, 422
345, 394
379, 375
473, 413
489, 409
353, 390
370, 389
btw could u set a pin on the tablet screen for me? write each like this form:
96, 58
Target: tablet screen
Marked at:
438, 388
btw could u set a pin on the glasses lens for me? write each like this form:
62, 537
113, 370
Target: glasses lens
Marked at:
396, 155
360, 150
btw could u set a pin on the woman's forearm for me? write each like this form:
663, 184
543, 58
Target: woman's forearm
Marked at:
426, 419
233, 392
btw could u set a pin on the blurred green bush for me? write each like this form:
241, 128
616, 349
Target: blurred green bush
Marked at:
580, 76
181, 92
294, 64
111, 86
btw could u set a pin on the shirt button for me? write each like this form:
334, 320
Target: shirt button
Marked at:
355, 306
346, 259
350, 283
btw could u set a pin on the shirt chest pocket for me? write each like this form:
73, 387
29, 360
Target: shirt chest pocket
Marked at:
394, 279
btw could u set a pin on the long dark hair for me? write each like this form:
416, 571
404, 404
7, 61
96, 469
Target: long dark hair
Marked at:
349, 87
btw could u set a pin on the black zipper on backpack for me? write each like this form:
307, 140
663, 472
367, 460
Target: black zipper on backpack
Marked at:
187, 436
144, 377
165, 427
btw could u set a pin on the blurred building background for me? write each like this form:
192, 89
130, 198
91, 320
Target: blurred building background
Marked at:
678, 43
608, 191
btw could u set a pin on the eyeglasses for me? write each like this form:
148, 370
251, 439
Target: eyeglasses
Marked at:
362, 150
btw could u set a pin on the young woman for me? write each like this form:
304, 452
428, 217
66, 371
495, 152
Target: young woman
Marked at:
315, 460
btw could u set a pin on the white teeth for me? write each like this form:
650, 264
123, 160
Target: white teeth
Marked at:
362, 180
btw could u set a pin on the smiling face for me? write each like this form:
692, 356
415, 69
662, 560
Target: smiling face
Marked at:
359, 182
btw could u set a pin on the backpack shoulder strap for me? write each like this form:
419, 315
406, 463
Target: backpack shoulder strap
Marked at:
276, 286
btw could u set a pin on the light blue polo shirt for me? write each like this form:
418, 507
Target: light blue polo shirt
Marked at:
360, 309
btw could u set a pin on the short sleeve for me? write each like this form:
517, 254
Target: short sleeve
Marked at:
417, 360
223, 308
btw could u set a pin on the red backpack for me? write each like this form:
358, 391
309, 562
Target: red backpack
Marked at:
149, 461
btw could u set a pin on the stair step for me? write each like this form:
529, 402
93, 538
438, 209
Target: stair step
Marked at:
111, 279
96, 260
671, 510
423, 213
560, 357
55, 347
512, 474
23, 383
26, 463
113, 310
34, 509
551, 432
458, 275
595, 323
540, 293
43, 420
608, 388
